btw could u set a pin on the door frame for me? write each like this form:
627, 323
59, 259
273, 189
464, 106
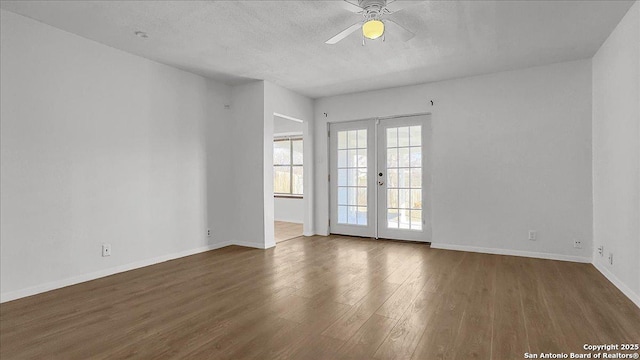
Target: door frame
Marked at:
427, 164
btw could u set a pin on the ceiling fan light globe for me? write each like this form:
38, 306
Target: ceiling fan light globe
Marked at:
373, 29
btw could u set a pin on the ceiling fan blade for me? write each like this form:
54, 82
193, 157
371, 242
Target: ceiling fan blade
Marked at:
398, 29
394, 5
351, 5
344, 33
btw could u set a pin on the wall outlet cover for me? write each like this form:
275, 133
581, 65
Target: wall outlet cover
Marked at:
106, 250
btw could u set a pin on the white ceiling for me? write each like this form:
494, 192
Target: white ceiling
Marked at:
283, 41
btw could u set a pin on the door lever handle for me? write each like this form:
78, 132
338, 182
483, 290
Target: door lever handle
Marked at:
380, 183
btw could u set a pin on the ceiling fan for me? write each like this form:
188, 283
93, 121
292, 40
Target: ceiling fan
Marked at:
374, 22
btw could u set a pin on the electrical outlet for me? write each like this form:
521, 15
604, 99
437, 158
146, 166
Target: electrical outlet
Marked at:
577, 244
610, 258
533, 235
106, 250
601, 250
209, 232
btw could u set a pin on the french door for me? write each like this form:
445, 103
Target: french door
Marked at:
380, 179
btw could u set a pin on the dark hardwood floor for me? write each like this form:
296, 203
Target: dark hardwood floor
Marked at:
325, 298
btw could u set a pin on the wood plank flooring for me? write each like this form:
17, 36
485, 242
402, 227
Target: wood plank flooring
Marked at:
286, 230
325, 298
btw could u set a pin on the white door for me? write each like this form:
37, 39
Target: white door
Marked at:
380, 186
352, 178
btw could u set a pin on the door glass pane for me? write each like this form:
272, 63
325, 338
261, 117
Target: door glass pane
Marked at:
352, 177
362, 158
353, 196
416, 156
342, 177
352, 213
342, 196
416, 219
392, 178
362, 216
362, 177
403, 198
352, 139
342, 158
403, 157
392, 218
416, 178
342, 140
352, 158
362, 139
392, 198
403, 219
342, 214
392, 137
416, 198
362, 196
392, 158
403, 136
415, 135
404, 177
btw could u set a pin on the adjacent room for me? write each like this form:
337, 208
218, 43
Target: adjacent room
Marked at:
340, 179
288, 177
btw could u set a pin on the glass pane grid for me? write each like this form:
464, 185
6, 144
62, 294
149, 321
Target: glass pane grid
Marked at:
352, 177
404, 178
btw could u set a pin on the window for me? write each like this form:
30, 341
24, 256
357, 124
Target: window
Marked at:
287, 166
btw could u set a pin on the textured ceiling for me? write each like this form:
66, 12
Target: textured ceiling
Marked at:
283, 41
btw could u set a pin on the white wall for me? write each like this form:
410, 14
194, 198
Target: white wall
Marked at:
248, 189
616, 154
97, 146
283, 126
511, 152
289, 209
219, 126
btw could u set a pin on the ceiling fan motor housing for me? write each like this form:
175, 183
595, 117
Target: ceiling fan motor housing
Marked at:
367, 3
373, 9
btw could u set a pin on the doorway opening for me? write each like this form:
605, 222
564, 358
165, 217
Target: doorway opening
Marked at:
288, 177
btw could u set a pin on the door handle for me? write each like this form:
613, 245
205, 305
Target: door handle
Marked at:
380, 183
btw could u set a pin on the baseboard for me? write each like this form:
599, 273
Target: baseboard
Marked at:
635, 298
293, 221
252, 244
530, 254
13, 295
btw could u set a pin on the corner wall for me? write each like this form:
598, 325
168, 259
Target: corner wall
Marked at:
286, 102
245, 210
616, 155
511, 152
253, 106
